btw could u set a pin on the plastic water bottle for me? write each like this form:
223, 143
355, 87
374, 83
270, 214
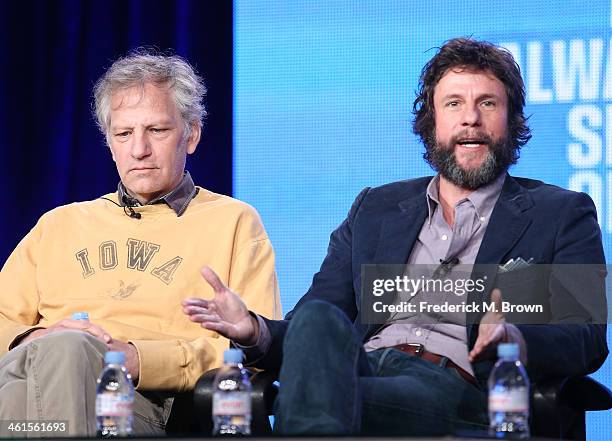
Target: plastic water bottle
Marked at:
80, 316
114, 397
232, 397
509, 395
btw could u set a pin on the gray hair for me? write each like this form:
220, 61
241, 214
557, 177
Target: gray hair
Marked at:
144, 66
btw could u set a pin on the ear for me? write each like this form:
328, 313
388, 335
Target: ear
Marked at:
194, 137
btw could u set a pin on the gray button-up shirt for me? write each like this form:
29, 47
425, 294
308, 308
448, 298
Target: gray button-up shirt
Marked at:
178, 198
437, 241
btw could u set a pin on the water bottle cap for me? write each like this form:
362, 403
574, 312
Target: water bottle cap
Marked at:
80, 316
232, 356
112, 357
508, 350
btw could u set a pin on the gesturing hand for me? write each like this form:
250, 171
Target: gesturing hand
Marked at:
494, 330
226, 313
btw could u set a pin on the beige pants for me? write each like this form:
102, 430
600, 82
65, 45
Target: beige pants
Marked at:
53, 378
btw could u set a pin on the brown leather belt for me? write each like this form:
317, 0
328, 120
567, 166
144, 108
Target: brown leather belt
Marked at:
419, 351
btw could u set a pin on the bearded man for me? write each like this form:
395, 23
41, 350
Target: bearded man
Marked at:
339, 373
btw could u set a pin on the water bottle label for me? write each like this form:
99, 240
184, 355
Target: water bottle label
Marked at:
231, 403
516, 400
113, 405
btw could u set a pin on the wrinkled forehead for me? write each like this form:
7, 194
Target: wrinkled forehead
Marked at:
142, 106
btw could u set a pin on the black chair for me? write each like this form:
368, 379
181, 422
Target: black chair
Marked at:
558, 406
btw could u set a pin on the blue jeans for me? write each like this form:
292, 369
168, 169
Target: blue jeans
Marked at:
331, 386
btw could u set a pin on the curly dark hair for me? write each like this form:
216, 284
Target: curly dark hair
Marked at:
467, 53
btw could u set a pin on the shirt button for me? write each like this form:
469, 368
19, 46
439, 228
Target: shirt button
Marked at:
444, 237
418, 332
482, 218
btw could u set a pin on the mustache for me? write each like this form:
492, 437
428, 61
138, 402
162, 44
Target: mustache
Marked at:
467, 135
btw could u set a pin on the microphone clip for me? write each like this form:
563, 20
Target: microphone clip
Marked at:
131, 213
445, 267
130, 202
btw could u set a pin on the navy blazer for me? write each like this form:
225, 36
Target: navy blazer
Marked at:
530, 220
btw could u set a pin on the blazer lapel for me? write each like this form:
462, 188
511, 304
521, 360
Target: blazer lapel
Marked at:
400, 230
507, 223
398, 233
506, 226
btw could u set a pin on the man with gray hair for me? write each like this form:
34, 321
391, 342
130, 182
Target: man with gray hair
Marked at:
128, 259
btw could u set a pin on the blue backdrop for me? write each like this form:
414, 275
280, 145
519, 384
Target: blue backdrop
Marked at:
323, 99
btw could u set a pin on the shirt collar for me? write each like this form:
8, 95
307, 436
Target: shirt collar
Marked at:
483, 198
177, 199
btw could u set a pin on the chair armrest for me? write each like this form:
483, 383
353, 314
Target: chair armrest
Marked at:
587, 394
580, 393
263, 394
558, 405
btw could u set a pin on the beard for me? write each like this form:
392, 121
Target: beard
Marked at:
441, 157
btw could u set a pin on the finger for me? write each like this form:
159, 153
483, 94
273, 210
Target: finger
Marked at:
498, 334
496, 297
87, 330
477, 352
69, 323
89, 327
97, 331
77, 325
73, 324
220, 327
487, 341
472, 355
481, 342
190, 310
475, 355
493, 334
195, 301
477, 349
213, 280
202, 318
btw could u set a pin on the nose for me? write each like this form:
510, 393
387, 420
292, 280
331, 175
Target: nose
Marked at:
141, 146
470, 116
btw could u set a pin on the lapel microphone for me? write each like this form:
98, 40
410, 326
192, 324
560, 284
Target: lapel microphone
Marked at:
446, 265
130, 202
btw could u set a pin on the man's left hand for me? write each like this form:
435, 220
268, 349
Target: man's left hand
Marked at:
132, 361
494, 330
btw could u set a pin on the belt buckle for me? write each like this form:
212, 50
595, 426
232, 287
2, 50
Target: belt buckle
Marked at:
419, 348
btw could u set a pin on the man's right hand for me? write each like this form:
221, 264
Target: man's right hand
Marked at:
69, 325
226, 313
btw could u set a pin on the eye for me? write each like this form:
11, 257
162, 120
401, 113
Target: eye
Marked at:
158, 130
488, 104
452, 104
122, 135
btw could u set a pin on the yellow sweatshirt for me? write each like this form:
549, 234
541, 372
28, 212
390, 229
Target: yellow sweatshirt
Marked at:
130, 275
